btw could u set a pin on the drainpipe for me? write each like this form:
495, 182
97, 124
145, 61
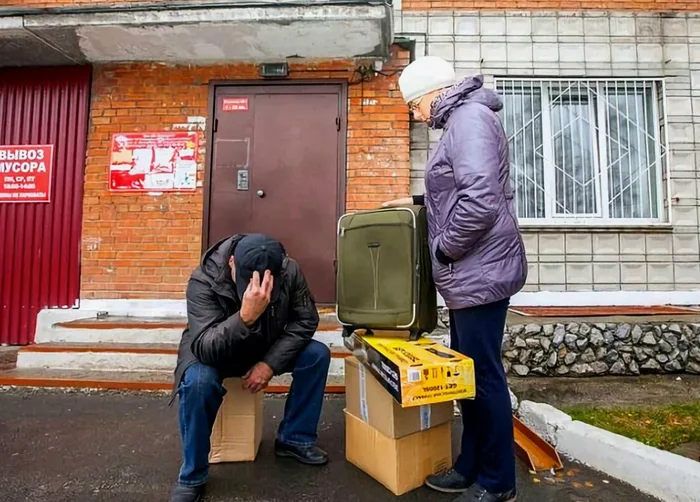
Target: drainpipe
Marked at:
407, 40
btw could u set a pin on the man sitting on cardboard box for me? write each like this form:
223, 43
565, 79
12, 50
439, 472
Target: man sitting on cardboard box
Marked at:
250, 314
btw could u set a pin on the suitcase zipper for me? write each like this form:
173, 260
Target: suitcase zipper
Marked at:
375, 274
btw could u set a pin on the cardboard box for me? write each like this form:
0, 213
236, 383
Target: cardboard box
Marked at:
237, 429
399, 464
368, 400
420, 372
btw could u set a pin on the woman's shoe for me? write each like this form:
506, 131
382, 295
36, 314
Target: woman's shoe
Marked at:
449, 481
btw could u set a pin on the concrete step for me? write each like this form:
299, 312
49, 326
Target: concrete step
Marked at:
122, 380
327, 321
121, 357
130, 329
98, 356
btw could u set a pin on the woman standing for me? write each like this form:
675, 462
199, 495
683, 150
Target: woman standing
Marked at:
479, 261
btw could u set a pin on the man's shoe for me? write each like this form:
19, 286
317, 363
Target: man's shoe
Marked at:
182, 493
479, 494
309, 455
449, 481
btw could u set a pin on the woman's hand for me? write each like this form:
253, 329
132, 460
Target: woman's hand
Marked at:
405, 201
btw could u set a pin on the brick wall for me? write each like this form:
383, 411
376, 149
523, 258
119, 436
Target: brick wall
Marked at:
124, 235
639, 5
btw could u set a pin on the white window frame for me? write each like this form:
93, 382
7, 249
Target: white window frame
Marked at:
662, 153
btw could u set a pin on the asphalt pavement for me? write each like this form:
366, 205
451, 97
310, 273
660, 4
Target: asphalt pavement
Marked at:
58, 446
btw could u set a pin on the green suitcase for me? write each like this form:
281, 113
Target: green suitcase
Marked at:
384, 279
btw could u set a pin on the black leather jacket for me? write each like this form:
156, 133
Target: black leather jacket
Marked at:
215, 334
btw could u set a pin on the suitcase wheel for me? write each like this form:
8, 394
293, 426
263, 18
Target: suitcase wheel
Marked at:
349, 330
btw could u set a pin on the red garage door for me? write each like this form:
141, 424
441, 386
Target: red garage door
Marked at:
43, 128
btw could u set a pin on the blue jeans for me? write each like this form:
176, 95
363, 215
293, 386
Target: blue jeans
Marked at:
201, 394
488, 455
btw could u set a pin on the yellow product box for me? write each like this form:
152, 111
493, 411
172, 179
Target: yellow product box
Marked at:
420, 372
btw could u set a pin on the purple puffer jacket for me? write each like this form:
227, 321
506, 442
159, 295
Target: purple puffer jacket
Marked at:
473, 228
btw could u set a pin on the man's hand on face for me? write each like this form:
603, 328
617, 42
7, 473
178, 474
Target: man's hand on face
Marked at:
257, 377
256, 298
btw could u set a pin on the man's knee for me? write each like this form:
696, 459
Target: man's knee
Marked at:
316, 353
201, 378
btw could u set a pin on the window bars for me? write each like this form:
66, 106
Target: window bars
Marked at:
586, 151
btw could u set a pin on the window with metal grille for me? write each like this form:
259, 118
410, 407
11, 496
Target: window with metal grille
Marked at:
586, 150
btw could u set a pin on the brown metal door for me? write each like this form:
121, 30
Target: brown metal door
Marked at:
40, 241
276, 170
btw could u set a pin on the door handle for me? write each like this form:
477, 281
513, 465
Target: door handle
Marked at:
261, 193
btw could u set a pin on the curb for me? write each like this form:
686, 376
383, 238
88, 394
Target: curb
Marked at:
664, 475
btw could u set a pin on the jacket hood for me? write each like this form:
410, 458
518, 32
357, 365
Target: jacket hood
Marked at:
469, 90
215, 260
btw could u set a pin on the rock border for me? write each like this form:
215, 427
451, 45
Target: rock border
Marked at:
588, 349
582, 348
659, 473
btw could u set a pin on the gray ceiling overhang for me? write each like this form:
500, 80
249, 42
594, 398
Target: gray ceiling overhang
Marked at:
208, 34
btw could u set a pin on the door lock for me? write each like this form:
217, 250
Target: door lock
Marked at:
261, 193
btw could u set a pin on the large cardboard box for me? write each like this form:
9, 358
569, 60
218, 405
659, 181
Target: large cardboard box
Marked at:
237, 429
401, 465
420, 372
367, 399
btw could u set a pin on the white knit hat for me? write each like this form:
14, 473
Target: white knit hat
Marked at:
425, 75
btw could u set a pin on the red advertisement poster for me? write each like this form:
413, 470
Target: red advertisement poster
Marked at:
25, 173
153, 162
235, 104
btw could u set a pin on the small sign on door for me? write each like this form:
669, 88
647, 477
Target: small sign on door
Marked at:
235, 105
